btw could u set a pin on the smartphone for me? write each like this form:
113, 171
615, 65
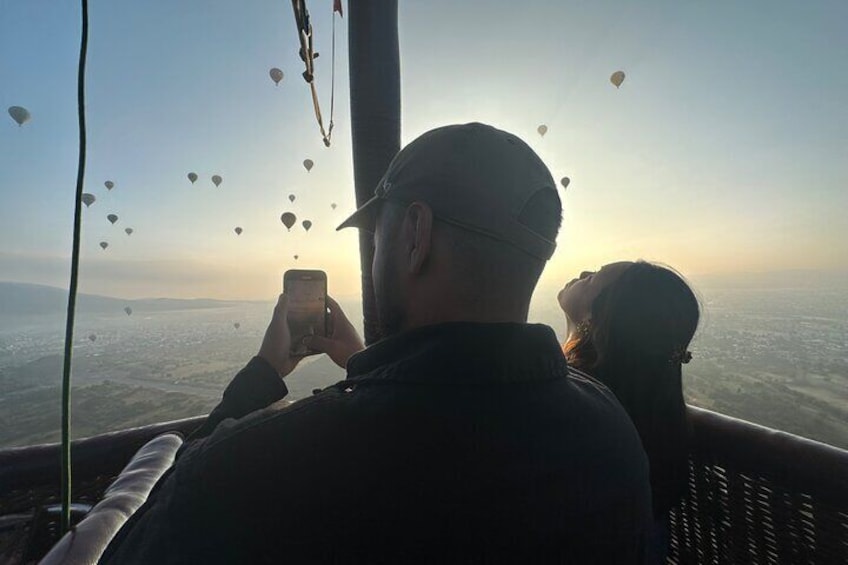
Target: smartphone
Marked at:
307, 309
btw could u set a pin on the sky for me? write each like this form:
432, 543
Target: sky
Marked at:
725, 151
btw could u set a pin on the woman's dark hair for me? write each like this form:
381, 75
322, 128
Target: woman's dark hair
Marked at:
635, 343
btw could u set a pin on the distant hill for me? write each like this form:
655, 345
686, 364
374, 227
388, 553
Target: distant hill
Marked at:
786, 279
34, 299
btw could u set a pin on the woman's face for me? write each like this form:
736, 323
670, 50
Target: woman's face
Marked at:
577, 296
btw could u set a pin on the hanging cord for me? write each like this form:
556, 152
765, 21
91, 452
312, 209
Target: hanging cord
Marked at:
333, 76
72, 290
308, 55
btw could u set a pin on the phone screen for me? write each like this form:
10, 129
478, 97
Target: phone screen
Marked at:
307, 305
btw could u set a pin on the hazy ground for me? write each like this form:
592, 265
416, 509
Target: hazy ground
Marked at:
776, 357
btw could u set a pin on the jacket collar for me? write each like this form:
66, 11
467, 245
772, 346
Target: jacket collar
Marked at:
467, 352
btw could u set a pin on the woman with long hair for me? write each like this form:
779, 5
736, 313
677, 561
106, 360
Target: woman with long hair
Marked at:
629, 326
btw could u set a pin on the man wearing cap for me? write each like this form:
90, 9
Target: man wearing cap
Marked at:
461, 435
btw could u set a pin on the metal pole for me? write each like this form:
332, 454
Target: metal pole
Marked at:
374, 66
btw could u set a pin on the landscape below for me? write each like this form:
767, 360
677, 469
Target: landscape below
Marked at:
774, 356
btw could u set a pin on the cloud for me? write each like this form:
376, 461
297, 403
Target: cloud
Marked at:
253, 278
183, 278
53, 271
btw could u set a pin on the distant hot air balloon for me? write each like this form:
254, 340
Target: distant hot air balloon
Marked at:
295, 257
617, 78
564, 181
542, 129
112, 218
104, 245
307, 224
128, 310
217, 180
88, 199
19, 114
92, 337
109, 185
236, 325
291, 197
238, 231
129, 231
276, 75
288, 220
308, 164
333, 205
192, 177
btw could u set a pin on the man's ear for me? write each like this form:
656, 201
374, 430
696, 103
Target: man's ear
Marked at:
418, 228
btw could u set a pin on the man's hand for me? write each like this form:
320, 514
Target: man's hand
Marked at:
276, 345
343, 341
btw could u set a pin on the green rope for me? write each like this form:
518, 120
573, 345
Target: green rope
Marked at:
72, 290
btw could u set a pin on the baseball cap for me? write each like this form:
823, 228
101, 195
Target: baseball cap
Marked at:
473, 176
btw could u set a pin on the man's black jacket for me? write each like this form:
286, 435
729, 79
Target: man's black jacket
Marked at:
454, 442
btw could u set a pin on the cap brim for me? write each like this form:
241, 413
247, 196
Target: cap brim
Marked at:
364, 218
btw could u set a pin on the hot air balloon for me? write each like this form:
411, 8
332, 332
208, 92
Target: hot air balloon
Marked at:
238, 231
308, 164
288, 220
307, 224
295, 257
104, 245
88, 199
236, 325
617, 78
112, 218
564, 182
276, 75
291, 197
192, 177
109, 185
542, 129
92, 337
333, 205
128, 310
129, 231
217, 180
19, 114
